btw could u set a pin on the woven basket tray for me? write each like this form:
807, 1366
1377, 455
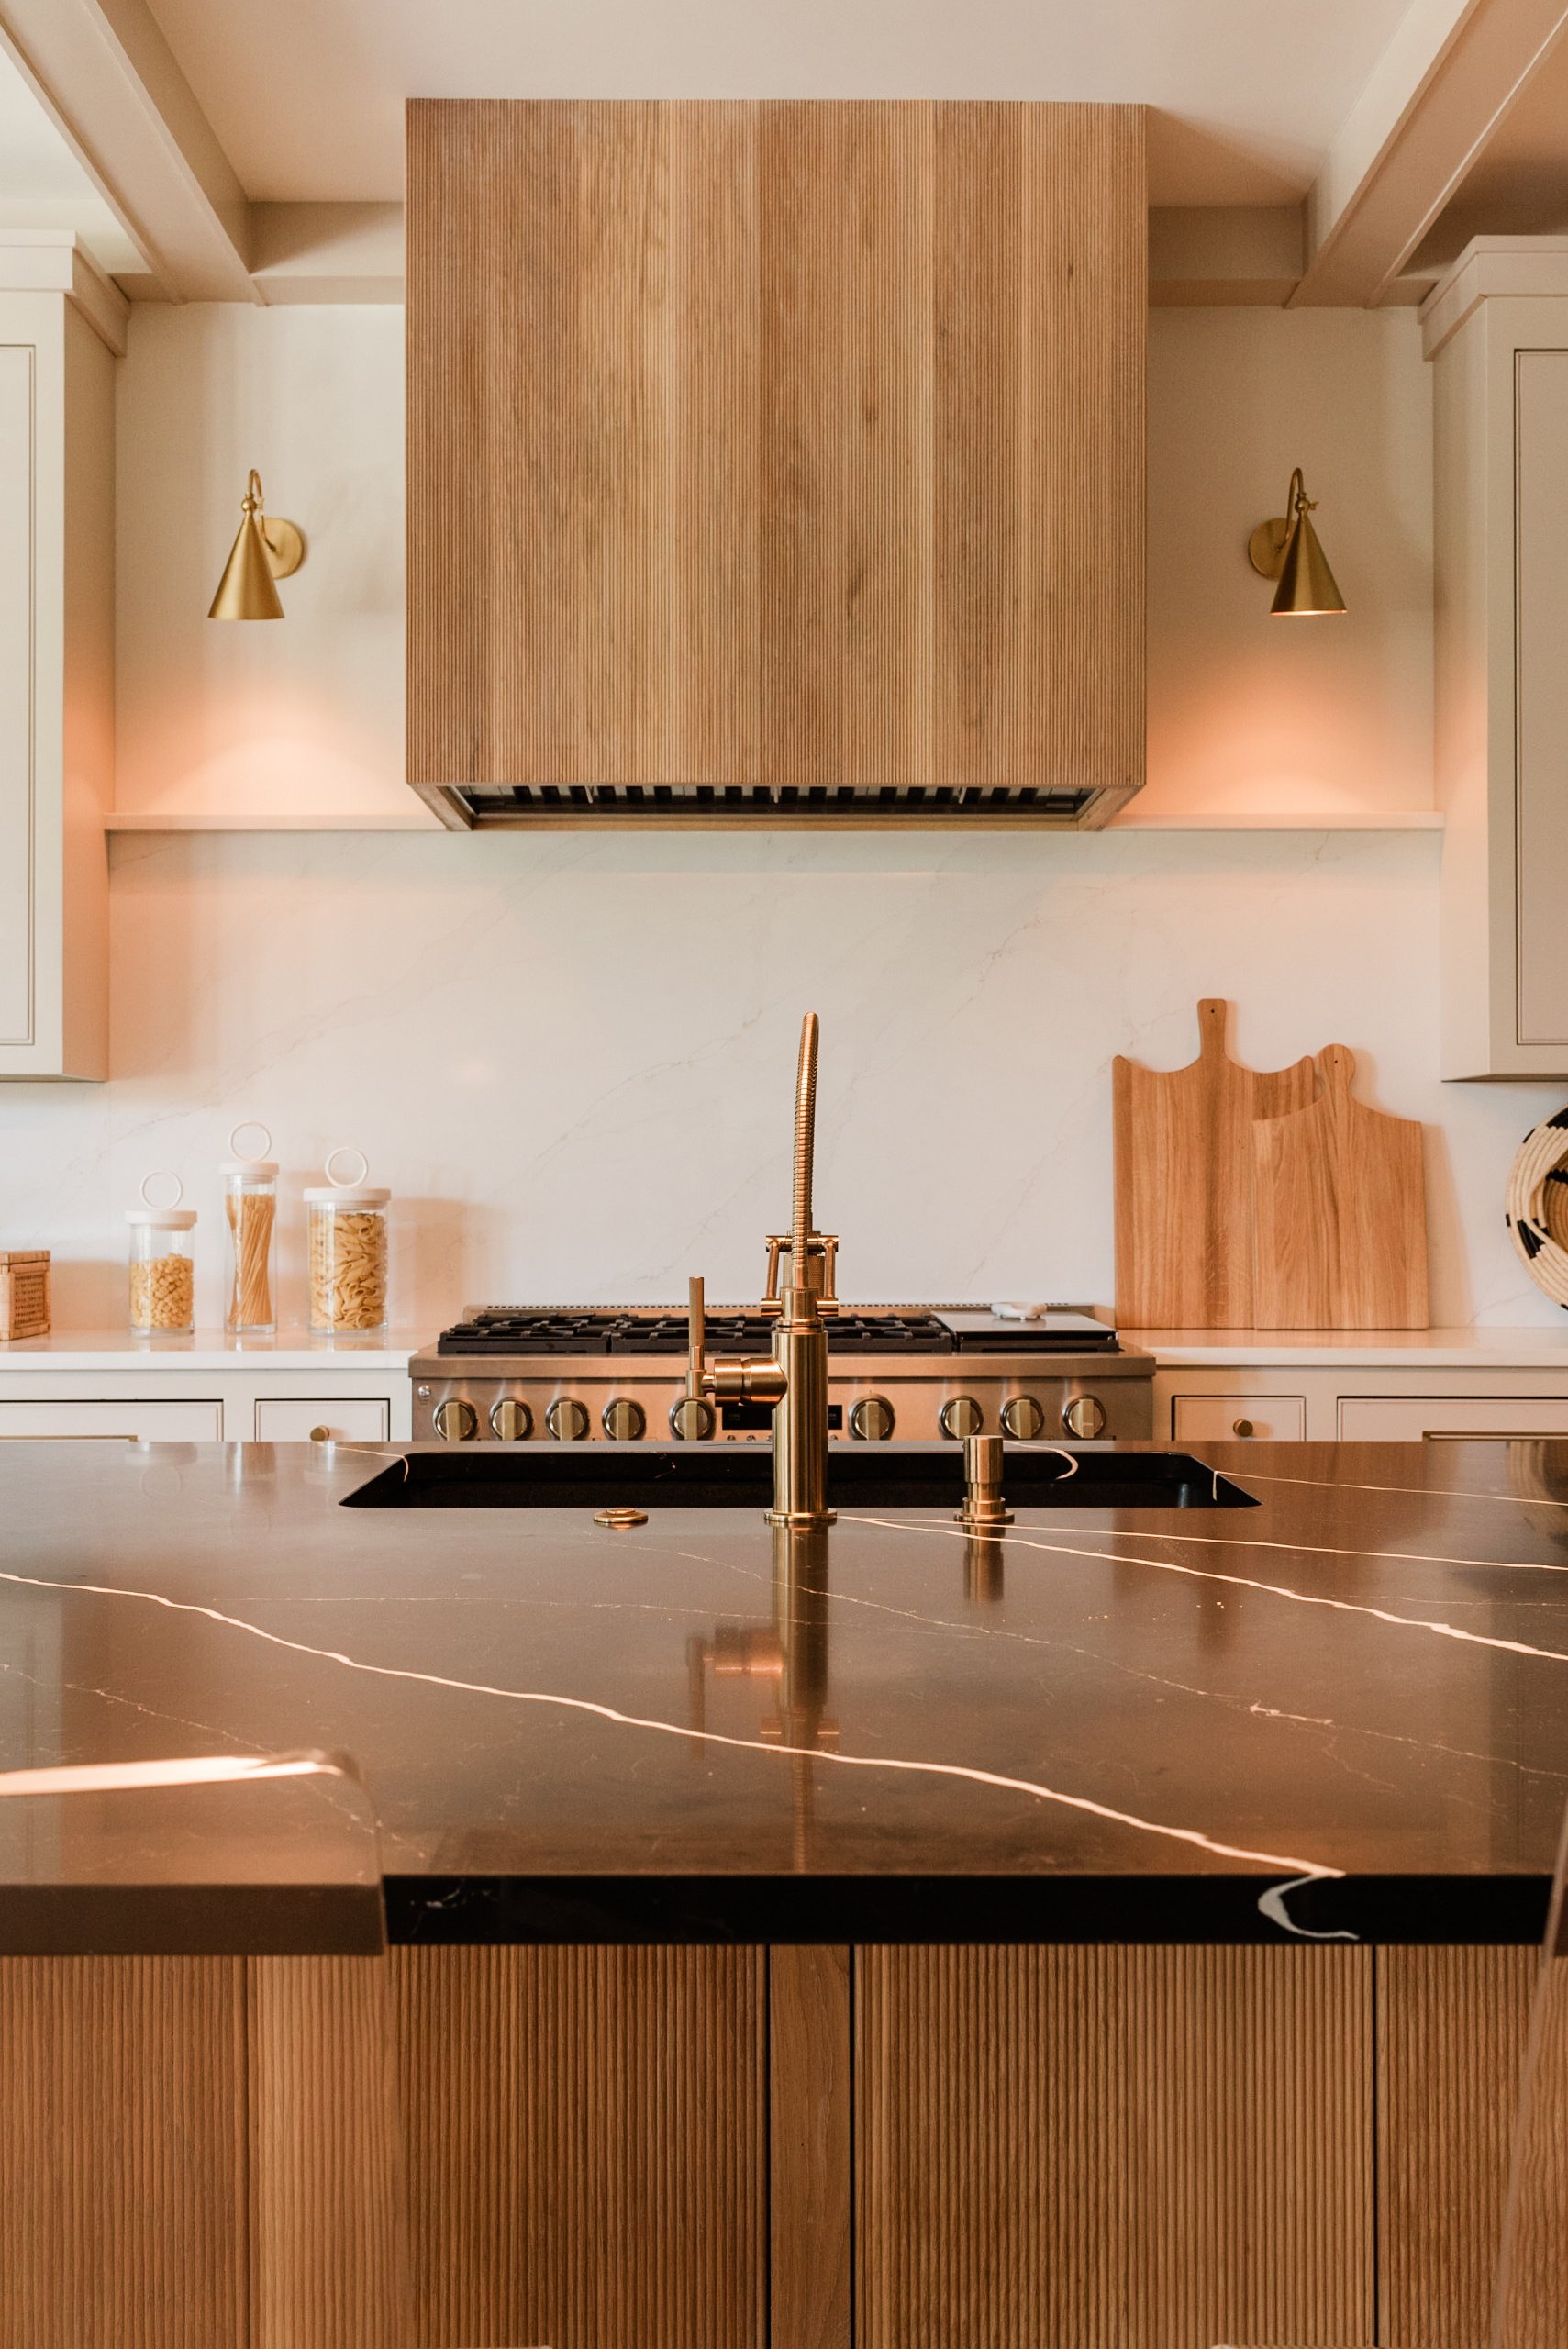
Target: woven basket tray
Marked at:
24, 1292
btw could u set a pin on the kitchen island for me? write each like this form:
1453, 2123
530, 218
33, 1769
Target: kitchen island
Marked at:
1126, 1920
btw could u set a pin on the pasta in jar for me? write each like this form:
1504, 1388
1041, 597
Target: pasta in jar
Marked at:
346, 1255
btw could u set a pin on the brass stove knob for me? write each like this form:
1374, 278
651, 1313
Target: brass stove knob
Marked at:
872, 1419
567, 1419
457, 1421
623, 1420
511, 1422
1084, 1417
1023, 1417
961, 1416
691, 1419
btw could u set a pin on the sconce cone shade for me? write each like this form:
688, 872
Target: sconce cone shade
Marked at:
268, 548
246, 591
1307, 588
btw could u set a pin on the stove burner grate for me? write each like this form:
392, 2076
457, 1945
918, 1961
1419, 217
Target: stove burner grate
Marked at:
665, 1333
524, 1332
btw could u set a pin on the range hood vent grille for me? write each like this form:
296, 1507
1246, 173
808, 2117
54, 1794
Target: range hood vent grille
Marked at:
511, 806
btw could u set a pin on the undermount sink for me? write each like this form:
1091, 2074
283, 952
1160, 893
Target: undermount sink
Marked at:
740, 1476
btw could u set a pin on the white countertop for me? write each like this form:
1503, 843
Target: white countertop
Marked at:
209, 1349
1538, 1348
1471, 1347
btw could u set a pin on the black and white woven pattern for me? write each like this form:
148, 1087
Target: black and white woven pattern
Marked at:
1538, 1205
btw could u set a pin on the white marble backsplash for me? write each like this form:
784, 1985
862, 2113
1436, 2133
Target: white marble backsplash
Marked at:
572, 1056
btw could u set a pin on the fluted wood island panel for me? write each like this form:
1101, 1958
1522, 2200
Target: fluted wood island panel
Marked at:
1111, 2148
777, 443
1114, 2148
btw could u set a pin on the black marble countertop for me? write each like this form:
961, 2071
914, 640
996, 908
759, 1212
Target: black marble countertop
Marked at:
1339, 1713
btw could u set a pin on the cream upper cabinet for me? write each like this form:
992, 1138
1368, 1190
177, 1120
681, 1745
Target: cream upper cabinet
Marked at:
1497, 332
59, 321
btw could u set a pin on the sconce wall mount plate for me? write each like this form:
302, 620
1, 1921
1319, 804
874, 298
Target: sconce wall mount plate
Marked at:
1265, 548
267, 548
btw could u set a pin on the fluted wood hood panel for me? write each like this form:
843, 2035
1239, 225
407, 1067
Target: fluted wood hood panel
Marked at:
771, 459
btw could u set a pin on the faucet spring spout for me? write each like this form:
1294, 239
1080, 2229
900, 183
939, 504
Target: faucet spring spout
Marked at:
805, 1149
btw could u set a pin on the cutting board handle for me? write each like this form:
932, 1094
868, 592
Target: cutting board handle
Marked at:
1337, 1067
1211, 1013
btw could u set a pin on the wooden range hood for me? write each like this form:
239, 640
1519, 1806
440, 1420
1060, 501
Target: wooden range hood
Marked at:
775, 462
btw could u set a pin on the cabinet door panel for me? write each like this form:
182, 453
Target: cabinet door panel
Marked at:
1406, 1419
348, 1419
587, 2146
151, 1422
1450, 2033
1114, 2148
1220, 1418
17, 622
1540, 508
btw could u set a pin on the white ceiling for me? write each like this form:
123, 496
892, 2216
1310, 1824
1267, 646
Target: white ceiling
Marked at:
42, 185
306, 96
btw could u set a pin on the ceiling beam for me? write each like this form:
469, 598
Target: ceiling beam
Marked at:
1448, 78
110, 81
327, 253
1209, 255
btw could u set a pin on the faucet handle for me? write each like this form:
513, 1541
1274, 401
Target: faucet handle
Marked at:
696, 1335
691, 1417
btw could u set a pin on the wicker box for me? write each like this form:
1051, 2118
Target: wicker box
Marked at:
24, 1292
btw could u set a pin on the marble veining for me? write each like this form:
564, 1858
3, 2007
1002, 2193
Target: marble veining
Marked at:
1244, 1582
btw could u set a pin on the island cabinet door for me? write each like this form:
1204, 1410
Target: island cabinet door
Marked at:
586, 2141
1125, 2148
1452, 2026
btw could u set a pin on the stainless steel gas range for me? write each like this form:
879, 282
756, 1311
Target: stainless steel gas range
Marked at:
581, 1374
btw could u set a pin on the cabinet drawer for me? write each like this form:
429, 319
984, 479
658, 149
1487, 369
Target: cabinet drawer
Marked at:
154, 1422
1220, 1419
349, 1418
1398, 1419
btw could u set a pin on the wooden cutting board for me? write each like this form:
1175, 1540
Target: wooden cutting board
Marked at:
1184, 1180
1340, 1224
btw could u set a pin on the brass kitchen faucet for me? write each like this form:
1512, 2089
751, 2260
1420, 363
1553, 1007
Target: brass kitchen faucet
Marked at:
793, 1380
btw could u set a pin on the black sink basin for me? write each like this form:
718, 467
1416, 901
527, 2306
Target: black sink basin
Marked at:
740, 1476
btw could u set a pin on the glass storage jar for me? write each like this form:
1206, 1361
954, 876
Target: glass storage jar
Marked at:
347, 1249
250, 1207
162, 1276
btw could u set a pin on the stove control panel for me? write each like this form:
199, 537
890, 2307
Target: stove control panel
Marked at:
880, 1403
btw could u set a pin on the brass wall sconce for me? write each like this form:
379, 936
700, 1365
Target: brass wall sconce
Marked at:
267, 548
1287, 549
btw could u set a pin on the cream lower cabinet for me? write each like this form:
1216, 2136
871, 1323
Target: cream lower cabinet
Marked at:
215, 1407
166, 1419
344, 1418
1414, 1419
1382, 1399
1218, 1419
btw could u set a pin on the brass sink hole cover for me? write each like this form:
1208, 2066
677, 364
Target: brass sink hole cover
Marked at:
620, 1517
